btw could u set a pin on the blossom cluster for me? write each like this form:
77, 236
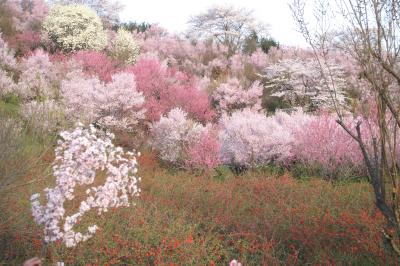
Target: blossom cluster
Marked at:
124, 47
114, 105
173, 134
302, 83
165, 88
38, 77
250, 139
79, 157
75, 27
231, 96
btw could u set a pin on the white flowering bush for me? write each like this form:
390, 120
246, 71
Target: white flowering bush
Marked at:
7, 84
231, 96
250, 139
79, 157
75, 27
173, 133
124, 47
43, 118
8, 65
113, 105
7, 59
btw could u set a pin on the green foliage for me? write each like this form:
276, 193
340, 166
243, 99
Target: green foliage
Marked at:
267, 43
254, 41
20, 150
222, 173
9, 106
133, 26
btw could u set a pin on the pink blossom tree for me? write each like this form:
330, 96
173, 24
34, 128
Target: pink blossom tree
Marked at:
96, 63
166, 88
204, 154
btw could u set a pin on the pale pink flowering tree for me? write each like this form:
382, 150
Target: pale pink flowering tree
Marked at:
173, 134
7, 84
231, 96
27, 16
226, 25
250, 139
38, 78
198, 58
259, 59
7, 59
114, 105
80, 155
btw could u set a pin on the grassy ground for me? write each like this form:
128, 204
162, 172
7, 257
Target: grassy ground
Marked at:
260, 218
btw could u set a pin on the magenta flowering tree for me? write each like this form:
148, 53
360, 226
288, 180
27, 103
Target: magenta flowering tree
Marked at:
165, 88
96, 63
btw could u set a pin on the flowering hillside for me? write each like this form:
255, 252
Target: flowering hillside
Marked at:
125, 144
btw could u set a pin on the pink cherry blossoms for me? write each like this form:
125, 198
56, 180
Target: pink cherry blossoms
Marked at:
80, 155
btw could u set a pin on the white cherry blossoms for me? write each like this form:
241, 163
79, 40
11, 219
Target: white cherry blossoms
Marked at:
79, 157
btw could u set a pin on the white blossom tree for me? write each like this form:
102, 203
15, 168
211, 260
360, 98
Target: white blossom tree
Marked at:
75, 27
227, 25
108, 10
80, 156
300, 83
